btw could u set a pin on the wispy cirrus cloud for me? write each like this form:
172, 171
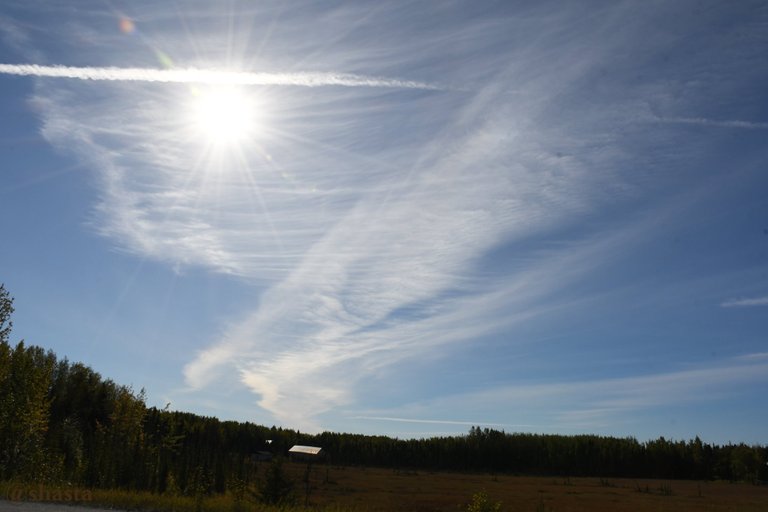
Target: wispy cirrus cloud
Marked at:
365, 215
369, 245
592, 405
745, 302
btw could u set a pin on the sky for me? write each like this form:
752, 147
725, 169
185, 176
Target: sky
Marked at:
398, 218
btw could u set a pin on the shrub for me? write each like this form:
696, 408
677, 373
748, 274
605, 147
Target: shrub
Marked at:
481, 503
276, 488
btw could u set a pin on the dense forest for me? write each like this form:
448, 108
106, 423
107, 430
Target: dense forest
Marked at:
61, 422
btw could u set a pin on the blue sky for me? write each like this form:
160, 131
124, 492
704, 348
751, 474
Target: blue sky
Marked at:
417, 217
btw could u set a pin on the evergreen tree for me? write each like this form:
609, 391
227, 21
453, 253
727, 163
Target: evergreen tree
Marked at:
6, 310
276, 488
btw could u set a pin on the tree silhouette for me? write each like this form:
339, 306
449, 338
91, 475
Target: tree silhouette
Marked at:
6, 310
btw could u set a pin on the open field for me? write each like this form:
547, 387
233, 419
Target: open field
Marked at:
388, 490
341, 489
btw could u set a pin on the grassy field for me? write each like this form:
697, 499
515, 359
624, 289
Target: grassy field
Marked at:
388, 490
373, 490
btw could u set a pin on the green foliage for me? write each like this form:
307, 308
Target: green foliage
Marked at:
24, 413
276, 488
6, 310
238, 486
171, 487
200, 487
481, 503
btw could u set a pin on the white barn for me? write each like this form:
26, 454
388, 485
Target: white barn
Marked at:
301, 453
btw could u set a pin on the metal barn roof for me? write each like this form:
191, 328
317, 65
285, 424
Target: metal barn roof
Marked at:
306, 450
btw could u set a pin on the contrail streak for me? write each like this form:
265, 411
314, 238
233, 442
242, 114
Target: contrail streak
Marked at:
203, 76
437, 422
739, 303
750, 125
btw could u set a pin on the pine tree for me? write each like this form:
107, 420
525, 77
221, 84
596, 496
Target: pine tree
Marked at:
277, 488
6, 310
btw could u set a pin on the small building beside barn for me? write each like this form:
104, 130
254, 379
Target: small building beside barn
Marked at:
261, 456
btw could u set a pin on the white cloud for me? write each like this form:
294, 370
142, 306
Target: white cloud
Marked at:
745, 303
206, 76
436, 422
371, 255
596, 403
365, 214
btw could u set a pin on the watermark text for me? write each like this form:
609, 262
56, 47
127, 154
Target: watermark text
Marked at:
41, 492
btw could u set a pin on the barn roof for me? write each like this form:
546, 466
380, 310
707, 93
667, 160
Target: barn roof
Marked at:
305, 450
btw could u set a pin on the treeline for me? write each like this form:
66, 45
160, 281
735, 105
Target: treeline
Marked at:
61, 422
537, 454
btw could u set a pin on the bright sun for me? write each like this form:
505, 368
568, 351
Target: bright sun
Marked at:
223, 116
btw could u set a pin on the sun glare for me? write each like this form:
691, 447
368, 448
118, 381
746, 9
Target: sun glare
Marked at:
223, 116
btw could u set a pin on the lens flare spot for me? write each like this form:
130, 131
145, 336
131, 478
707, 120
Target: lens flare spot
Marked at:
126, 25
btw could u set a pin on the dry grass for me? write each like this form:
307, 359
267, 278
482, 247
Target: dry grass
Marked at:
387, 490
384, 490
